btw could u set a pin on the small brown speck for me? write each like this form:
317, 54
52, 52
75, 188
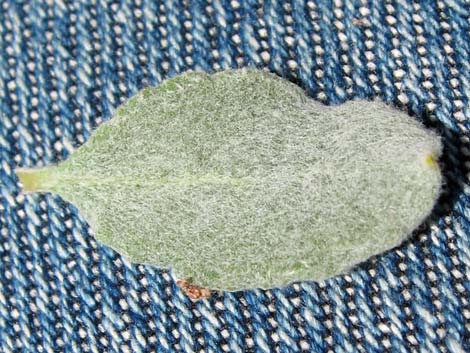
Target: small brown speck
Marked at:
193, 291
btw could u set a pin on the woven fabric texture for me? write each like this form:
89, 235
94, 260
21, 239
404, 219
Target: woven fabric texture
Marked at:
66, 65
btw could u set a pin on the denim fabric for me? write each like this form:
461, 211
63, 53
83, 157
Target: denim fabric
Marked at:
66, 65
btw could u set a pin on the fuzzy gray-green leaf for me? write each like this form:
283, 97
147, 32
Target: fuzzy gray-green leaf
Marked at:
238, 180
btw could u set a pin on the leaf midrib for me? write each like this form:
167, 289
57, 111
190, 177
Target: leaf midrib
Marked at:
132, 180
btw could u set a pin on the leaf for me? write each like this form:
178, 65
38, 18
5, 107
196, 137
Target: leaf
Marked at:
239, 180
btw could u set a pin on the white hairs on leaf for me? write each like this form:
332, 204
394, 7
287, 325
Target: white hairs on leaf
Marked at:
239, 180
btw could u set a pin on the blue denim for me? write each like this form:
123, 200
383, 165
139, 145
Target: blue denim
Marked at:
66, 65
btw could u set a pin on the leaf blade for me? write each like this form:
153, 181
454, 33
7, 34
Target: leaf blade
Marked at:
238, 180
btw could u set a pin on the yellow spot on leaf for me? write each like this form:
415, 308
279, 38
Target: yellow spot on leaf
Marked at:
431, 161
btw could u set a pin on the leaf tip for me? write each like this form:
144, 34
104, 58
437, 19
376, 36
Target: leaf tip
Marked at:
431, 161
